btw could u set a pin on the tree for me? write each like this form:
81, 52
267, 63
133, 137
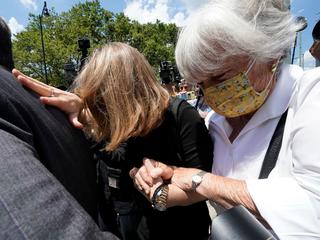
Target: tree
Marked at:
90, 20
160, 40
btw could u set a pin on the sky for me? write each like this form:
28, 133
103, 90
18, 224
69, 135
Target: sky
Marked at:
15, 12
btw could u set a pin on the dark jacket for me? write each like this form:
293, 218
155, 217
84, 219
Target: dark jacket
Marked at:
181, 140
37, 147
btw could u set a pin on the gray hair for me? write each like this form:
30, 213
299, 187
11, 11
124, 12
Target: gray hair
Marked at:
258, 29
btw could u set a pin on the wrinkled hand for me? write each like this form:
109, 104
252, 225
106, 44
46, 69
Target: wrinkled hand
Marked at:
315, 49
182, 178
68, 102
150, 175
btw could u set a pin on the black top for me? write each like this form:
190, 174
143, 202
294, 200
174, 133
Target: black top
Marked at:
61, 148
184, 142
191, 137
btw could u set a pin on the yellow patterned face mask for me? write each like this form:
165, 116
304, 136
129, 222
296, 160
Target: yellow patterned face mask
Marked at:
236, 96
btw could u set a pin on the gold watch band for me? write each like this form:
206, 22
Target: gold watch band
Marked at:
160, 197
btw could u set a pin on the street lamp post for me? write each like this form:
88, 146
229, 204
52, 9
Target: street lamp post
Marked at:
302, 21
44, 12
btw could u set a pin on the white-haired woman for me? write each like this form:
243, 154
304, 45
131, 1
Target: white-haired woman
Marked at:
235, 49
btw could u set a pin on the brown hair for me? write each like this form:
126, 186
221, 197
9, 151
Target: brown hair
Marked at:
120, 90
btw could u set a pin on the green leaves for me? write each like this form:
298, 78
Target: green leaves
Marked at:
62, 31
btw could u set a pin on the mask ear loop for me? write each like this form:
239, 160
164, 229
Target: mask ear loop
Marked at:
275, 66
274, 70
250, 67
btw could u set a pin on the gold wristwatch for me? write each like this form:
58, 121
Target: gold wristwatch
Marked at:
159, 197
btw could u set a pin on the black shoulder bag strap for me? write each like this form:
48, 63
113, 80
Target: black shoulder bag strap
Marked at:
274, 148
175, 105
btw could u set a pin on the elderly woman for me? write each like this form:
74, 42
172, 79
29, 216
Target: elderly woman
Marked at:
234, 49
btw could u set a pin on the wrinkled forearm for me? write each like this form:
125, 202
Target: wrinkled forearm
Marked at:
227, 192
178, 197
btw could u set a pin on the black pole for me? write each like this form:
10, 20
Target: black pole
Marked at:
302, 21
294, 48
44, 12
43, 52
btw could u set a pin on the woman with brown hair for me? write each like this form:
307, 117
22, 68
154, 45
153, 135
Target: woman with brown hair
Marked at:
120, 100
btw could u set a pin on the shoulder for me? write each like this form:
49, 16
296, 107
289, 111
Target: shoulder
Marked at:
183, 114
188, 118
4, 82
8, 93
308, 85
10, 89
309, 78
183, 110
186, 105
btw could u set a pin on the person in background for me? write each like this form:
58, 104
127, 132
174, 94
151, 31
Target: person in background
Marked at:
315, 48
47, 174
234, 49
127, 105
183, 86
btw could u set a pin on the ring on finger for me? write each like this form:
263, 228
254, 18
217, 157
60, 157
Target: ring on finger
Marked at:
52, 93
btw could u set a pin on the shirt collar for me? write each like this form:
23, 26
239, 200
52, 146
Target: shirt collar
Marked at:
275, 105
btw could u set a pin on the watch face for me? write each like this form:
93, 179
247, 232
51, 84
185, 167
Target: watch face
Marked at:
196, 179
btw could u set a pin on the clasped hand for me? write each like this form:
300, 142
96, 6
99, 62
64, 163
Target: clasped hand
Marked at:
152, 173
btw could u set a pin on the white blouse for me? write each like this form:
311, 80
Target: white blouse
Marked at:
290, 198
